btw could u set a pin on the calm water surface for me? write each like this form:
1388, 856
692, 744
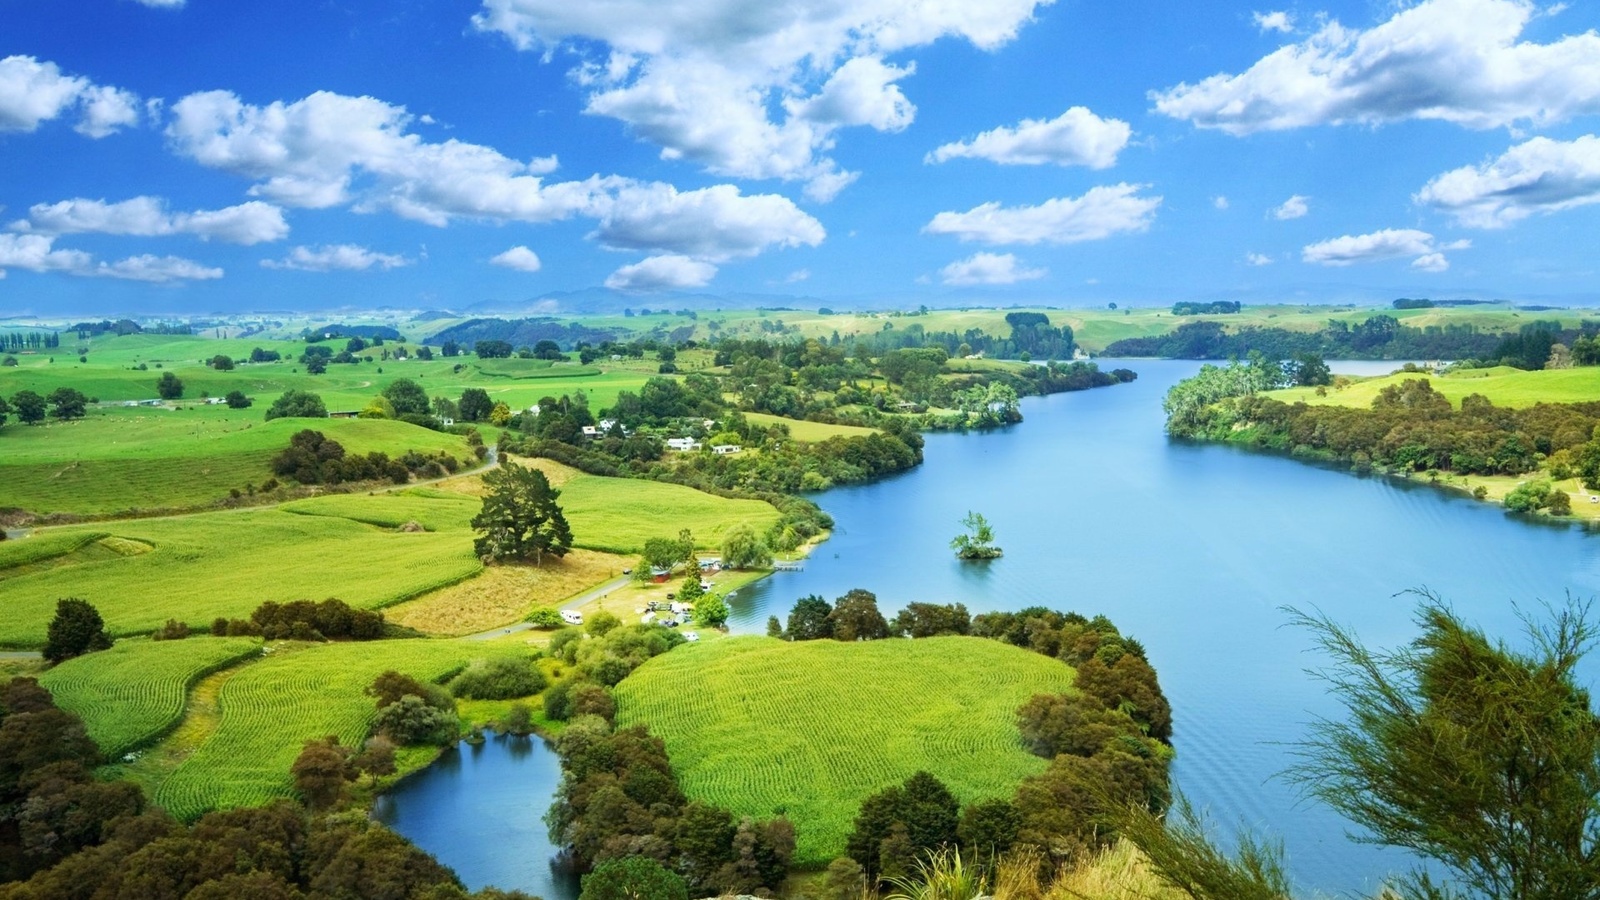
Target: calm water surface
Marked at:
1192, 549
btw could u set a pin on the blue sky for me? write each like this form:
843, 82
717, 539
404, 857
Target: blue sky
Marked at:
200, 155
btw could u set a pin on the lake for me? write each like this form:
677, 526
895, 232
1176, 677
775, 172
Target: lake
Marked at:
1192, 549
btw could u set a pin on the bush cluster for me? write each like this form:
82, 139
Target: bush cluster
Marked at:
305, 620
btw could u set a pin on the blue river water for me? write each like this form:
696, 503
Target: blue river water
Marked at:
1194, 549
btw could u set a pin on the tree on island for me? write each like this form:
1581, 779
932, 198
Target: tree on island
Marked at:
520, 519
978, 540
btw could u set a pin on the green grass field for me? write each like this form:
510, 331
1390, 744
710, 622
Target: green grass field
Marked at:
810, 431
1504, 386
135, 692
810, 729
125, 459
226, 564
298, 693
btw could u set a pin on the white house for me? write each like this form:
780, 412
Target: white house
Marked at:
725, 449
682, 444
590, 431
607, 424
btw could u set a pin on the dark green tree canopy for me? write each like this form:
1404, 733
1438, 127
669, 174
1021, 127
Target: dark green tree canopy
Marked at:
520, 519
29, 406
76, 629
297, 404
68, 403
169, 386
407, 397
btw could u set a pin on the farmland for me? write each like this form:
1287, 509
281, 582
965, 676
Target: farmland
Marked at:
809, 729
135, 692
1504, 386
270, 708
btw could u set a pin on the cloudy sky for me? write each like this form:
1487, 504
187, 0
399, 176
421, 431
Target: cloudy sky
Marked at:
202, 155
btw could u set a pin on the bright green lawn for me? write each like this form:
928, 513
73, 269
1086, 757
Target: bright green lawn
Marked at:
122, 459
132, 694
226, 564
1504, 386
810, 729
272, 707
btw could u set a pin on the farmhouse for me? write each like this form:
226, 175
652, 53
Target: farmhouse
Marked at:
725, 449
682, 444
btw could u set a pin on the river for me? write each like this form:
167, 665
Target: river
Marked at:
1194, 550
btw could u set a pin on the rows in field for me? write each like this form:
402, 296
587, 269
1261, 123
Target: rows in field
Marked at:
21, 555
228, 563
270, 708
810, 729
135, 692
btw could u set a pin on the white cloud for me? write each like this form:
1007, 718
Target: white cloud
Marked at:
1295, 207
706, 79
253, 222
330, 149
33, 92
662, 273
520, 258
1432, 262
716, 223
1220, 202
1538, 176
1390, 243
163, 4
989, 268
1077, 137
37, 253
797, 276
1258, 259
1101, 213
1458, 61
1278, 20
335, 258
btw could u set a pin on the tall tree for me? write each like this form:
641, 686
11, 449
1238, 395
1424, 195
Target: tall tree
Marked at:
169, 386
855, 617
29, 406
475, 405
76, 629
810, 619
68, 403
407, 397
520, 518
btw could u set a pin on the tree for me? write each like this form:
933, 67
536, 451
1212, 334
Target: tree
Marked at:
520, 518
690, 590
238, 400
320, 772
810, 619
169, 386
68, 403
977, 542
1481, 758
712, 611
548, 349
774, 627
492, 349
297, 404
29, 406
221, 363
475, 405
76, 629
742, 548
407, 397
5, 410
662, 553
855, 617
633, 878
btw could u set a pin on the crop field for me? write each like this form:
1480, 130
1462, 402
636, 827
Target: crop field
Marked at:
135, 692
270, 708
810, 729
810, 431
125, 459
226, 564
502, 594
1504, 386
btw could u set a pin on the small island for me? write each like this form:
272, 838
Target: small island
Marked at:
977, 543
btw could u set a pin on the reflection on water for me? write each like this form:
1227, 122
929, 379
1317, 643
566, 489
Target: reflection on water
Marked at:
1193, 549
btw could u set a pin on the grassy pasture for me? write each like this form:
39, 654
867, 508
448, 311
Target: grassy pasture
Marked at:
1504, 386
762, 726
226, 564
502, 594
298, 693
124, 459
810, 431
135, 692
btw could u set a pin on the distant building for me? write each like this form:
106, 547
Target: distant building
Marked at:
683, 445
725, 449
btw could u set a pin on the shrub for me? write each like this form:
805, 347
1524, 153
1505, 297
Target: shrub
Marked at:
172, 631
601, 623
499, 679
413, 720
518, 720
546, 617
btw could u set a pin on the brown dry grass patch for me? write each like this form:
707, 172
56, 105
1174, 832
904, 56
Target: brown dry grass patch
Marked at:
472, 485
500, 595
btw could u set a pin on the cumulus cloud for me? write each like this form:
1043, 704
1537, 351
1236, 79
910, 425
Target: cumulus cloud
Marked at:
662, 273
38, 253
706, 79
1102, 212
163, 4
33, 91
1278, 20
1390, 243
1538, 176
335, 258
989, 268
1077, 137
1295, 207
1258, 259
1457, 61
330, 149
520, 258
247, 223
